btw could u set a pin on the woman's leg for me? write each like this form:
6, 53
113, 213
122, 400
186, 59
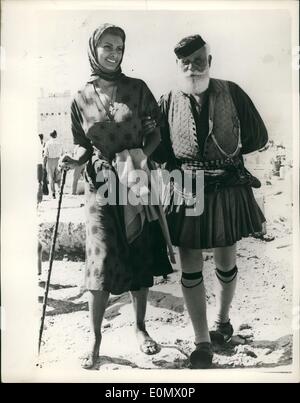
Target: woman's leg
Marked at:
139, 303
226, 273
194, 291
97, 305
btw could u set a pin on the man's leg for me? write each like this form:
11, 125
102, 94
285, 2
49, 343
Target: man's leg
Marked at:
226, 274
194, 294
51, 175
97, 305
193, 291
57, 173
139, 303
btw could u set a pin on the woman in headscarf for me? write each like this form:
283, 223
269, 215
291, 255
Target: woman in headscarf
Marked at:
110, 114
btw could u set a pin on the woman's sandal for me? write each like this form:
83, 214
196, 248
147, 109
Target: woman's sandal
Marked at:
89, 360
148, 343
145, 342
201, 357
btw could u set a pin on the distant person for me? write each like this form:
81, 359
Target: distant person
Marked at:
43, 170
42, 143
40, 168
40, 252
40, 175
52, 151
276, 163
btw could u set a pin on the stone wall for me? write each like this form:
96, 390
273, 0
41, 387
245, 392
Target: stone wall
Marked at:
70, 240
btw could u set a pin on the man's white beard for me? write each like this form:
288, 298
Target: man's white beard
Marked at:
193, 85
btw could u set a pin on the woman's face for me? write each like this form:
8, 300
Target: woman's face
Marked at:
110, 51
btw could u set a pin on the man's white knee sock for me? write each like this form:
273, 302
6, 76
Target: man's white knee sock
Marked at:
195, 300
226, 288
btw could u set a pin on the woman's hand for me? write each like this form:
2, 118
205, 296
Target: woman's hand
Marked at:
121, 112
66, 162
148, 125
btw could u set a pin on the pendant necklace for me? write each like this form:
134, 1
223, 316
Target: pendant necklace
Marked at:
106, 101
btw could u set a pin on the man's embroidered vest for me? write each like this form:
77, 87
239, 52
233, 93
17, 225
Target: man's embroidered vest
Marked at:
223, 139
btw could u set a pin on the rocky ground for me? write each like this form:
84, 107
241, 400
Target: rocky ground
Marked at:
261, 313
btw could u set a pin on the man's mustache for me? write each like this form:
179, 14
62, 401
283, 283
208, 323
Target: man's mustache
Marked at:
197, 73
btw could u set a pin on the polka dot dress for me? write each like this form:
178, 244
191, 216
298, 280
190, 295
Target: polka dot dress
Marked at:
111, 263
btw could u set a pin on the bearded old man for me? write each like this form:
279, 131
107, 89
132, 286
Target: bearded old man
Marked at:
208, 124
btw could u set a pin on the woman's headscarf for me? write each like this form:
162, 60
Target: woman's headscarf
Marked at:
97, 69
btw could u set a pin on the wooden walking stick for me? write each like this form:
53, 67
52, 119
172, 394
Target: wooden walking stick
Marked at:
51, 257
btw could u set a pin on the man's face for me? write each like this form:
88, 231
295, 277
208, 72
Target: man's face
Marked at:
194, 72
195, 64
